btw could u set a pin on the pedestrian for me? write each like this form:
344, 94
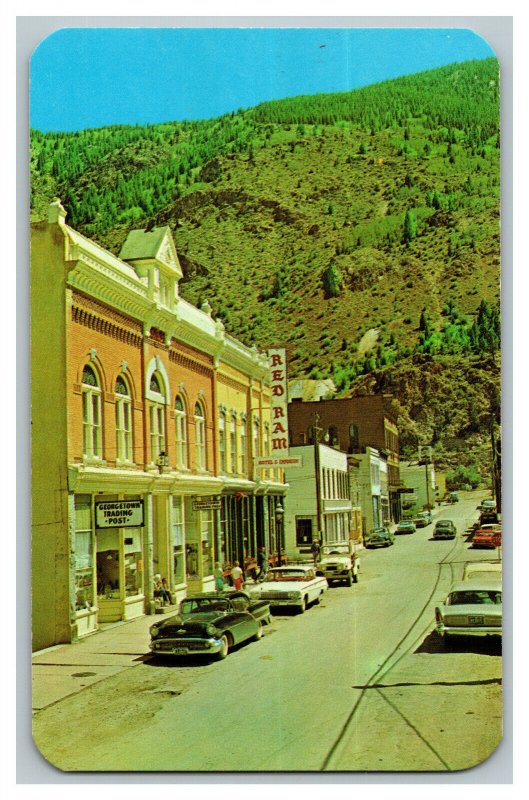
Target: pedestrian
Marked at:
262, 563
237, 576
161, 589
315, 550
218, 574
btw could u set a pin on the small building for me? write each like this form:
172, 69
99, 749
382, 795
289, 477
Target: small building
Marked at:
317, 505
369, 483
421, 479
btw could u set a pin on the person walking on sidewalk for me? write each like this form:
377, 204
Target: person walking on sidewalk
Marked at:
218, 574
237, 576
262, 563
315, 550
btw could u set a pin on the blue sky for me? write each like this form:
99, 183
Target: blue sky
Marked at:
90, 77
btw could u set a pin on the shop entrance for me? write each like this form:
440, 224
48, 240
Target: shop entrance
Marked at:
120, 579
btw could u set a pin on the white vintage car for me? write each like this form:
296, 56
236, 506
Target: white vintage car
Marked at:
296, 585
482, 571
472, 608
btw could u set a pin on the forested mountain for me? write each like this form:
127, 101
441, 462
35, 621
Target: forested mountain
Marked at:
360, 229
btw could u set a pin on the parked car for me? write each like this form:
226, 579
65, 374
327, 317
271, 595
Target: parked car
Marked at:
405, 526
296, 585
339, 562
484, 536
423, 519
210, 624
489, 504
379, 537
470, 609
488, 518
453, 497
444, 529
482, 571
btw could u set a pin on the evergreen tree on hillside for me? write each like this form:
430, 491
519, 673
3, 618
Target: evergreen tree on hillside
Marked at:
332, 281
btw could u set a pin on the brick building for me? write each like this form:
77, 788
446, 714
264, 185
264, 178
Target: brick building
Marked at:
146, 416
351, 424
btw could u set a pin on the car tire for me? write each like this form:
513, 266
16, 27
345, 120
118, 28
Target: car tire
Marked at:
258, 634
447, 641
349, 579
303, 606
355, 577
225, 647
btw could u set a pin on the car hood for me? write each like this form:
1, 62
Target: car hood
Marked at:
283, 586
338, 559
193, 621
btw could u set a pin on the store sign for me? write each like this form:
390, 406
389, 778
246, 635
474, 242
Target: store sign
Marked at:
277, 461
206, 505
277, 360
119, 514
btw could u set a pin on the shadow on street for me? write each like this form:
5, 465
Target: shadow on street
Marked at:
481, 645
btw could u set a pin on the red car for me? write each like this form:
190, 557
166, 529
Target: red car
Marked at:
486, 536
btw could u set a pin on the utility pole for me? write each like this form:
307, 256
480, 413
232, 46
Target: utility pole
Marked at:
319, 505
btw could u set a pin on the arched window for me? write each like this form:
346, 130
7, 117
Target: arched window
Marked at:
353, 438
222, 442
181, 432
157, 418
256, 438
123, 421
92, 436
200, 437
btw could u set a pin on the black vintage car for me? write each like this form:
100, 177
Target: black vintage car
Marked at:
210, 624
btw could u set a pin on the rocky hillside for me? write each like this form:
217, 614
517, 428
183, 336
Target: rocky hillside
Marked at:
359, 230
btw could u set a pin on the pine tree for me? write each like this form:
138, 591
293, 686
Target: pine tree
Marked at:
410, 226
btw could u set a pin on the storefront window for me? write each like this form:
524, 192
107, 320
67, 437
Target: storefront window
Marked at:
132, 546
206, 536
178, 540
84, 554
108, 573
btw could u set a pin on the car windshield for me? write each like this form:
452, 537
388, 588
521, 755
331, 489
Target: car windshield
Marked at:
194, 605
474, 597
443, 523
287, 575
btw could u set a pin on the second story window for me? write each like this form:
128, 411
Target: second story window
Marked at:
243, 456
256, 439
123, 422
180, 433
233, 444
157, 419
200, 437
222, 442
92, 435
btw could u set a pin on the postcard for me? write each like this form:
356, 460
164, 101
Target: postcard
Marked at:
265, 399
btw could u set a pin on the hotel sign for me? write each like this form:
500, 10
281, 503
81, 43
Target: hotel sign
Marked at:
277, 360
271, 462
119, 514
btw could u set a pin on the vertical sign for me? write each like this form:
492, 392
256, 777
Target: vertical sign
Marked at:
277, 360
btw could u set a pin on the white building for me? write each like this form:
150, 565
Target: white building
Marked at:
316, 508
370, 487
421, 479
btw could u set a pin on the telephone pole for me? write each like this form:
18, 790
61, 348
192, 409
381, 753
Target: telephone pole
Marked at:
319, 504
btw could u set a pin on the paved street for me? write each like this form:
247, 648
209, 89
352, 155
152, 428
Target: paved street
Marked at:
359, 682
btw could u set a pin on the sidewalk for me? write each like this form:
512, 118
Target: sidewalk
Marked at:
64, 670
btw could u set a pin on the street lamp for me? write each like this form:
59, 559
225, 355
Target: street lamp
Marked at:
279, 515
162, 461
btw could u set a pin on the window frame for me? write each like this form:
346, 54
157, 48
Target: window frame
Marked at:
92, 430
